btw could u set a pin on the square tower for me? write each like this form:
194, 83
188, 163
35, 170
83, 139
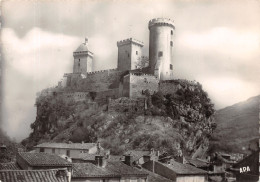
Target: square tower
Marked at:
129, 54
83, 59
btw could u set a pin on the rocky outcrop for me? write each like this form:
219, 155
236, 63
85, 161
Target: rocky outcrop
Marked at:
173, 122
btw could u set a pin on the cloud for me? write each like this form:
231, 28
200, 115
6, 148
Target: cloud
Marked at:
32, 63
223, 40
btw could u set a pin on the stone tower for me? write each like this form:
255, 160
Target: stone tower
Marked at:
83, 59
161, 48
129, 53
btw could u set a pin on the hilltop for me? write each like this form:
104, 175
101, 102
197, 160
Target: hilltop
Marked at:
237, 126
175, 123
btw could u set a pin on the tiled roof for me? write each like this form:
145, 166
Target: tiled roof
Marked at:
67, 145
9, 166
153, 177
81, 170
112, 169
184, 168
197, 162
31, 176
123, 169
43, 159
137, 154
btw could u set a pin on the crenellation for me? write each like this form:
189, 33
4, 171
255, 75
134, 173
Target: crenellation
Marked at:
130, 40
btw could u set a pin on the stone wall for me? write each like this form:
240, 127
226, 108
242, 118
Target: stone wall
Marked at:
141, 82
98, 81
172, 86
169, 87
76, 96
127, 105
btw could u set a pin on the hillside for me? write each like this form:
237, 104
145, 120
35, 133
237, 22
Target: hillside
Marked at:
237, 126
172, 123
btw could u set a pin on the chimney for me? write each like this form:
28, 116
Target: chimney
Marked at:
100, 161
152, 151
129, 160
157, 153
98, 148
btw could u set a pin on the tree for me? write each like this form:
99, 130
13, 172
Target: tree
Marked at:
142, 62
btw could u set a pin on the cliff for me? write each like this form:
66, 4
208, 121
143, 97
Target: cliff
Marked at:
180, 122
237, 127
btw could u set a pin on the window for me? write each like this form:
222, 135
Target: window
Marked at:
160, 54
68, 153
171, 43
128, 55
53, 150
136, 52
171, 67
41, 149
171, 32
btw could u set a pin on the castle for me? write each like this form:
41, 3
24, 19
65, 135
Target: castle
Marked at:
129, 79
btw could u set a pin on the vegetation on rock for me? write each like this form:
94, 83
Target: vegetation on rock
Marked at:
176, 123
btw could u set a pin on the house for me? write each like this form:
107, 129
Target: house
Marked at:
247, 169
139, 157
72, 150
33, 161
50, 175
153, 177
107, 170
220, 162
9, 166
198, 163
176, 171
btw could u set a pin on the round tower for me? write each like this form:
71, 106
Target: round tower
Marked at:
161, 47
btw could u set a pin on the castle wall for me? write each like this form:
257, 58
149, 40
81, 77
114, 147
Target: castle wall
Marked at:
127, 105
141, 82
76, 96
172, 86
99, 81
169, 87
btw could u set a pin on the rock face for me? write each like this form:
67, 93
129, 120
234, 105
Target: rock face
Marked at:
237, 126
181, 120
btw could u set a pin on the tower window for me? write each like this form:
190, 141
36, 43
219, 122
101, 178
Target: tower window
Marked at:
171, 32
171, 43
136, 52
160, 54
128, 55
171, 67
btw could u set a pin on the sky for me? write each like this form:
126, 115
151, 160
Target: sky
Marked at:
217, 43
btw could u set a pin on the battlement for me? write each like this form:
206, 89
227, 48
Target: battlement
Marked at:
91, 54
100, 71
161, 21
128, 41
142, 74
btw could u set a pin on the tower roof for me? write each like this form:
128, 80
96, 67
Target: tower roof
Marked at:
162, 22
83, 47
